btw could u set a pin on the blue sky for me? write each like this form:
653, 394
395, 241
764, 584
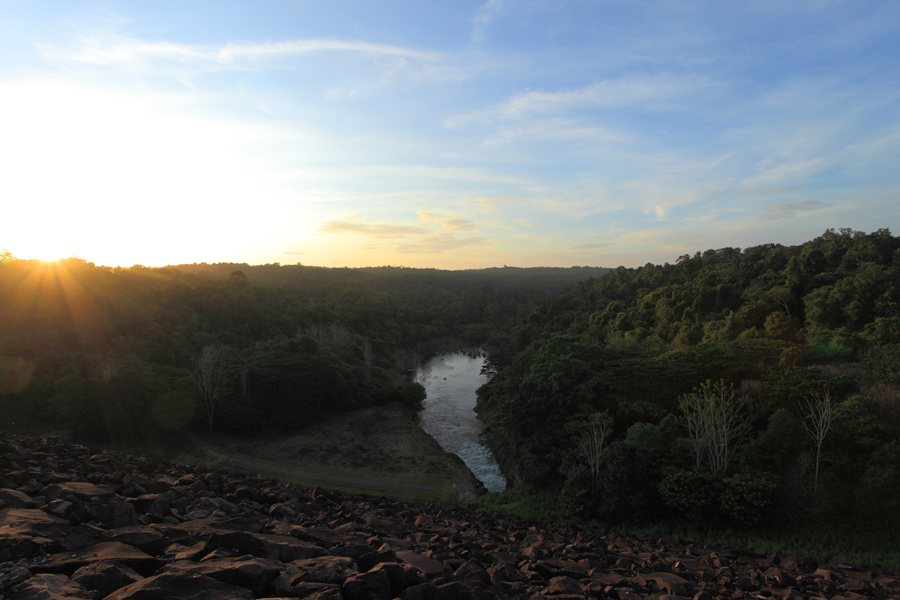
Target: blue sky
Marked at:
450, 135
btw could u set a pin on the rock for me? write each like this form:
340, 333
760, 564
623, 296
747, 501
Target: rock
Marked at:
325, 569
15, 499
105, 576
147, 539
374, 585
427, 566
173, 586
67, 563
247, 572
285, 549
463, 590
132, 528
423, 591
401, 576
563, 586
49, 587
119, 514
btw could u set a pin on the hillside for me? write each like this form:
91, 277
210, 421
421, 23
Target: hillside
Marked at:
81, 523
752, 390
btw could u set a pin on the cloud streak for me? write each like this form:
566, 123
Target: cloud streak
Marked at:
793, 209
121, 51
624, 91
355, 224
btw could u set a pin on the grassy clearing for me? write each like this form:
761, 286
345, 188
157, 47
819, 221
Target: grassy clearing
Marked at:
377, 451
846, 545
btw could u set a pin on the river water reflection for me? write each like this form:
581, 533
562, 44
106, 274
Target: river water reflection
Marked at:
448, 413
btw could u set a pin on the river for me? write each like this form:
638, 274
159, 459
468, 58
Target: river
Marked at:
448, 413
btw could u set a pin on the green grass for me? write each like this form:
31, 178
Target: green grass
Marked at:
844, 544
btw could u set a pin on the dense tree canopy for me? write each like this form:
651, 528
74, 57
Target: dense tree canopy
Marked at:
712, 371
114, 354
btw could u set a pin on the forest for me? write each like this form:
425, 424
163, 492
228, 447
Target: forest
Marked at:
752, 389
743, 389
130, 356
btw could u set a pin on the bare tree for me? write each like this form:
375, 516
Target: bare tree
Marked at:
593, 445
717, 424
821, 412
104, 369
368, 358
331, 335
211, 377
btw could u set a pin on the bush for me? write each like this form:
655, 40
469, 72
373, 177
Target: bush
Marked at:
693, 493
746, 497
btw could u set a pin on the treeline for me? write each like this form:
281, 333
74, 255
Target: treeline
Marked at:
734, 388
128, 354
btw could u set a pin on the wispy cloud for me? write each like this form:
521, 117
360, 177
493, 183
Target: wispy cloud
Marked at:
441, 242
558, 129
454, 224
773, 190
484, 16
355, 224
122, 50
796, 170
589, 246
625, 91
793, 209
489, 205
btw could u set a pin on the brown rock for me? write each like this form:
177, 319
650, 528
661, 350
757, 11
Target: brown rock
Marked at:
49, 587
374, 585
423, 591
277, 547
563, 586
81, 490
31, 520
67, 563
105, 576
472, 572
119, 514
463, 590
247, 572
15, 499
401, 576
173, 586
149, 540
325, 569
428, 566
10, 576
671, 583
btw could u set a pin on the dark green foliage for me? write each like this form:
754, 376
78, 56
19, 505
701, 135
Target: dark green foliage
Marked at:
97, 351
779, 324
747, 497
694, 494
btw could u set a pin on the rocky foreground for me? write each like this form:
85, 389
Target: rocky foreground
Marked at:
83, 523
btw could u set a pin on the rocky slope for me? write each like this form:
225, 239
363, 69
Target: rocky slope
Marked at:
83, 523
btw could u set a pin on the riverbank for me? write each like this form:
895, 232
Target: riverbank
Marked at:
377, 450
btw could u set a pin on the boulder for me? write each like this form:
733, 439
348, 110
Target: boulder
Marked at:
105, 576
174, 586
50, 586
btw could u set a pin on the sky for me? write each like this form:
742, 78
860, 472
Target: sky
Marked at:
453, 135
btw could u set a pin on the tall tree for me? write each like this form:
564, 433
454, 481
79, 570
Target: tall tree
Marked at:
821, 411
716, 422
210, 373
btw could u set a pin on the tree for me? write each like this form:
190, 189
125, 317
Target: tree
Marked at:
368, 359
211, 377
593, 445
821, 412
716, 422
